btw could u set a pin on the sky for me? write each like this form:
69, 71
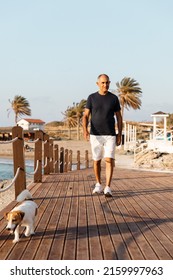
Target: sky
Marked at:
52, 51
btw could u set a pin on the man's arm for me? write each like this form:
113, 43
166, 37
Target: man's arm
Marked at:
120, 125
85, 123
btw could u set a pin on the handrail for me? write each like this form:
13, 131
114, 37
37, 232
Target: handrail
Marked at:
9, 141
35, 141
55, 160
36, 169
12, 182
46, 162
142, 148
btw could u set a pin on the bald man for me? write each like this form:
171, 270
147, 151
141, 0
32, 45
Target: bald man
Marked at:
103, 106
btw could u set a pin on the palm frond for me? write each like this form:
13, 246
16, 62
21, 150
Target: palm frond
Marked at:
20, 106
129, 93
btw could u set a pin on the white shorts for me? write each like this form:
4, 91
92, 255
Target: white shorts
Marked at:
102, 146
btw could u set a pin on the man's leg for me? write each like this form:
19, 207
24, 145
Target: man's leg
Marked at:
109, 170
109, 155
97, 150
97, 170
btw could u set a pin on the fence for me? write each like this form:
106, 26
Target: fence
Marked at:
48, 158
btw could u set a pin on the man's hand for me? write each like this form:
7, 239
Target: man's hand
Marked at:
86, 135
118, 139
85, 124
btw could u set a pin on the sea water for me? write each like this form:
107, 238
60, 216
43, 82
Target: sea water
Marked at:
6, 168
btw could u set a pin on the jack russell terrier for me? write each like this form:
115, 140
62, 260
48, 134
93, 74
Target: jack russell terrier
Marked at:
22, 215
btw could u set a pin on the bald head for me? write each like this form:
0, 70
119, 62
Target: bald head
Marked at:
102, 75
103, 83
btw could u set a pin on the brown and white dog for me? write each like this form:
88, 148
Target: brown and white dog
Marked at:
22, 215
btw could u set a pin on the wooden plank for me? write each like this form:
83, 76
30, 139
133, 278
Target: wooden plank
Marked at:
95, 249
82, 251
69, 252
56, 251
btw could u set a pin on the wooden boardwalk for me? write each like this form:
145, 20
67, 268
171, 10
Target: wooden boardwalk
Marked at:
73, 224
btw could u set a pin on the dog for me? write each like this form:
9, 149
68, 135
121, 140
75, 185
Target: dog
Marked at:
22, 215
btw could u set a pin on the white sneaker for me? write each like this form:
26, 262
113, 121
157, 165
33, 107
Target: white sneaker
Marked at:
98, 188
107, 192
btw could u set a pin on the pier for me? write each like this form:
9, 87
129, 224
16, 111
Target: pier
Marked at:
73, 224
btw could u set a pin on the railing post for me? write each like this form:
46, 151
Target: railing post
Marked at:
61, 160
18, 159
86, 159
56, 159
70, 160
38, 156
51, 169
46, 155
78, 160
66, 160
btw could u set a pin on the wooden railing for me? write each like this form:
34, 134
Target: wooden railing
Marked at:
48, 158
140, 150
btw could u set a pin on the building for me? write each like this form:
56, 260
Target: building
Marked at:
161, 138
5, 133
30, 126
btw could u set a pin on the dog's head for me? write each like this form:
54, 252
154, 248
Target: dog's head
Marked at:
14, 218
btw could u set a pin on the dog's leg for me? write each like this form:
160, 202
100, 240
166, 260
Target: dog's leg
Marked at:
32, 228
16, 235
27, 231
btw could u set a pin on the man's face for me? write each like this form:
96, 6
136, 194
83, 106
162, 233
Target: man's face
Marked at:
103, 84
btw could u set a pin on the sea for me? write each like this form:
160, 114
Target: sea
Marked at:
6, 168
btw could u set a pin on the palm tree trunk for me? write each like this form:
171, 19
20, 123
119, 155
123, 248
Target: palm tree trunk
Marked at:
16, 119
78, 125
69, 133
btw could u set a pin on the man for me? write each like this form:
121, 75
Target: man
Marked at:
103, 106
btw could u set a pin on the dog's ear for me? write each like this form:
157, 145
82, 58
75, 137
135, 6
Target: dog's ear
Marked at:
22, 214
5, 215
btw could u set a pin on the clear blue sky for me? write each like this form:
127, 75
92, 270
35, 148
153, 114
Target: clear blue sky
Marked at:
51, 52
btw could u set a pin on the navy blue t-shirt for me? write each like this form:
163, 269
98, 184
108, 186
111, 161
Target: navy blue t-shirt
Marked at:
103, 108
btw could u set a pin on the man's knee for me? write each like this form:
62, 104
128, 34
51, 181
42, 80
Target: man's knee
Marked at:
97, 162
110, 160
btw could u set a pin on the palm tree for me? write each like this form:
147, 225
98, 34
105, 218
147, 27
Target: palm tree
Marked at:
78, 110
20, 106
129, 94
73, 116
69, 119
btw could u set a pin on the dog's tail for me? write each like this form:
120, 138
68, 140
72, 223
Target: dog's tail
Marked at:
24, 195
